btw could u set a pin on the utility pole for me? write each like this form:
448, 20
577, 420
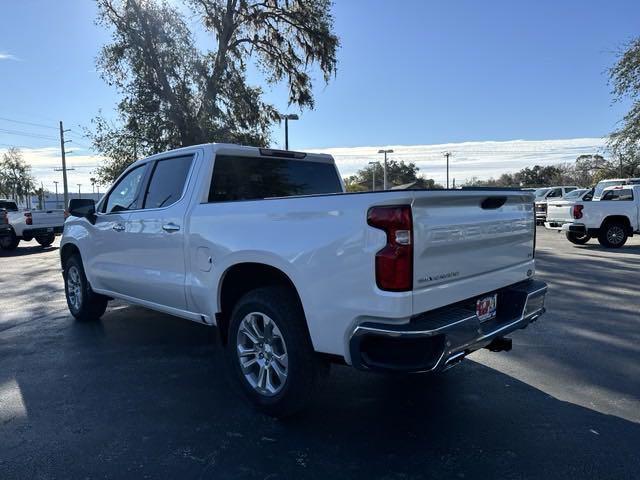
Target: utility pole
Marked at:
448, 154
64, 166
621, 174
384, 170
56, 184
79, 194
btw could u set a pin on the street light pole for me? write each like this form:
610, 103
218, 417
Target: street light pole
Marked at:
384, 169
290, 116
79, 194
448, 154
374, 175
56, 184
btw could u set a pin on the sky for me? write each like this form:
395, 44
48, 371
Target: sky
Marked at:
500, 84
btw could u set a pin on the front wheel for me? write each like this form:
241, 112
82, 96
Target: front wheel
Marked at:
270, 353
613, 235
578, 238
84, 304
9, 242
46, 240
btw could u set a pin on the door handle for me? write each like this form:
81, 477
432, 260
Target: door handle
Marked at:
118, 227
170, 227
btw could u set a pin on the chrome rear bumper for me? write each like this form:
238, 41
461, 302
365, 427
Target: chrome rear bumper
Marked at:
438, 339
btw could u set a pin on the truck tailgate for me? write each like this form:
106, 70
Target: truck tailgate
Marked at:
469, 243
560, 212
47, 218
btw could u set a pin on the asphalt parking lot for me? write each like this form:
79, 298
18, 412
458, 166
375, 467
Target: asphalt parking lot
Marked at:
141, 395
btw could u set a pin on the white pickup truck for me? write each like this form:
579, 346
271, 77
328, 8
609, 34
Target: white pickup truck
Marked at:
296, 273
612, 219
41, 225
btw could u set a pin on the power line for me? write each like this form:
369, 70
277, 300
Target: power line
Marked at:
33, 124
26, 134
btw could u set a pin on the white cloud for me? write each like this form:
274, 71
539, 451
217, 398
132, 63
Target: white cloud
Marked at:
8, 56
470, 159
44, 161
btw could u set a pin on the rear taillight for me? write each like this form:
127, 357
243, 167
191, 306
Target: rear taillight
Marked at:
394, 263
28, 218
576, 211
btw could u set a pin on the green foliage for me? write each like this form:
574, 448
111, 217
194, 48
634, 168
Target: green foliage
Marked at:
174, 94
624, 77
16, 181
398, 173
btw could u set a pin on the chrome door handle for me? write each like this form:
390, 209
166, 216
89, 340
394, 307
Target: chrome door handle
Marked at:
118, 227
170, 227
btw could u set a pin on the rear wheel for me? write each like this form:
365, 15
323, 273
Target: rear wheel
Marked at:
84, 304
613, 235
578, 238
46, 240
270, 353
9, 242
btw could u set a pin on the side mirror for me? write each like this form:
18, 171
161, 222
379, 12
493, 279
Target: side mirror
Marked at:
83, 207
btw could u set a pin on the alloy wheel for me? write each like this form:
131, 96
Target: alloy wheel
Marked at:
262, 353
74, 287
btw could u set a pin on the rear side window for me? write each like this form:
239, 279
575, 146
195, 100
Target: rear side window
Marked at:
622, 194
253, 178
167, 181
10, 206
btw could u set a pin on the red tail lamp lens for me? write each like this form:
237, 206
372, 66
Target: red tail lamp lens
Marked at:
394, 262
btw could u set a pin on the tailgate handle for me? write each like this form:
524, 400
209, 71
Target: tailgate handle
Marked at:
491, 203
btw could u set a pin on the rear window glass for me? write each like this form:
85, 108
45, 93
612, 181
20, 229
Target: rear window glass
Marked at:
253, 178
11, 206
605, 184
622, 194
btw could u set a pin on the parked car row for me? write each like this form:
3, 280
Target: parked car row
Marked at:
16, 225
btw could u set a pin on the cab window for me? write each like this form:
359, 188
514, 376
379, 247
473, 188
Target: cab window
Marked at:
555, 193
124, 195
624, 194
167, 182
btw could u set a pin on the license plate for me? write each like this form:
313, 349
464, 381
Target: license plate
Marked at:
49, 230
486, 307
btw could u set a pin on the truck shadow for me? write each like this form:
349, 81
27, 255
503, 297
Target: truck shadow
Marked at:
627, 248
146, 393
28, 250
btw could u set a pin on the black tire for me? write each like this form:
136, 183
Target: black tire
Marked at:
303, 368
613, 235
578, 238
89, 305
9, 242
46, 240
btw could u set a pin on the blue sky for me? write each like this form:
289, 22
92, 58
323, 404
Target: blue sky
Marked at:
410, 72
